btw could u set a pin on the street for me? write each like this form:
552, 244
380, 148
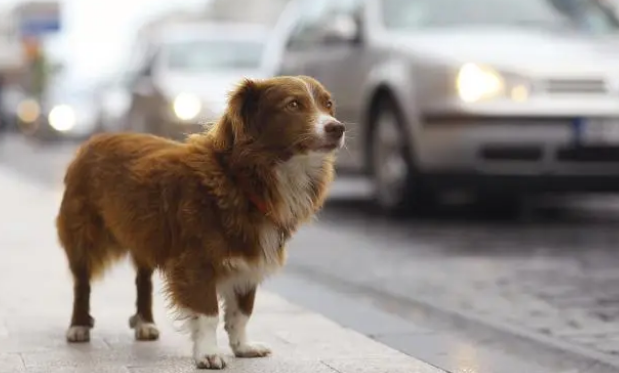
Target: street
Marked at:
535, 293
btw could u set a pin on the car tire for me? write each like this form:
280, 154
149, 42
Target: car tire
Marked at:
399, 189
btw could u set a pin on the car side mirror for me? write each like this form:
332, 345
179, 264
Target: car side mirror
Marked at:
342, 28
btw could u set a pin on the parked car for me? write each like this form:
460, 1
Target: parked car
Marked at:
187, 72
67, 111
113, 99
494, 97
11, 96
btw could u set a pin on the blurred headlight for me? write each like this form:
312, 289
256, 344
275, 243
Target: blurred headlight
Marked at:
28, 111
476, 83
62, 118
187, 106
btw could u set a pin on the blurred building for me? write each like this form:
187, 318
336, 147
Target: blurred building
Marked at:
11, 51
259, 11
22, 32
179, 16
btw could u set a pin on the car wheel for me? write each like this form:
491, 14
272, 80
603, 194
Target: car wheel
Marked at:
398, 187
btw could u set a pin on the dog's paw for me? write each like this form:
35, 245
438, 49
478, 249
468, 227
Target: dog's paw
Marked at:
78, 334
144, 331
214, 362
251, 350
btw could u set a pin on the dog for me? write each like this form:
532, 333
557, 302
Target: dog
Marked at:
212, 213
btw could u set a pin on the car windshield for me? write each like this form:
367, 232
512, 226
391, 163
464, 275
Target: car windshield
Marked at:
202, 55
586, 15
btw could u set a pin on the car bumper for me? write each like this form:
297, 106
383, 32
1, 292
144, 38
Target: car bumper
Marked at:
522, 184
552, 148
41, 129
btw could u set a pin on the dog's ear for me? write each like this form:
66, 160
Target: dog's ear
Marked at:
242, 107
243, 102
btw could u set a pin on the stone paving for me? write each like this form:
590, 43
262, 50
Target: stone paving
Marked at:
35, 301
553, 279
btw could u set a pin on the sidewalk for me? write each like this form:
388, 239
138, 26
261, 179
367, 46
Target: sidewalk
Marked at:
35, 305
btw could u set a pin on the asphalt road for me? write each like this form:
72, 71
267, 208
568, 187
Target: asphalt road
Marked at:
533, 293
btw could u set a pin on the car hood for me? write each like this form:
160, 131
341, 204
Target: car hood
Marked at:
515, 50
210, 87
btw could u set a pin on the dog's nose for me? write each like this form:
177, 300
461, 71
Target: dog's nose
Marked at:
334, 129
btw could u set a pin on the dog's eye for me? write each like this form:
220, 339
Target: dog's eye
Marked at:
329, 104
294, 104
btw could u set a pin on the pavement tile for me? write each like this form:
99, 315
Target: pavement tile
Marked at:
11, 363
74, 357
339, 308
378, 365
271, 304
24, 343
457, 355
264, 365
4, 331
85, 369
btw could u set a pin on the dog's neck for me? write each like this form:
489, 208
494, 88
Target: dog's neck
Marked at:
285, 187
297, 185
285, 190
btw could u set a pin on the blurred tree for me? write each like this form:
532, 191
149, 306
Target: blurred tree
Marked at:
38, 69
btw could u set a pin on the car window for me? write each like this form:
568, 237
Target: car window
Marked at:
587, 15
315, 13
215, 54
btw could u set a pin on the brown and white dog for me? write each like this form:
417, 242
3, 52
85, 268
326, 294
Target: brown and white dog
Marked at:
213, 213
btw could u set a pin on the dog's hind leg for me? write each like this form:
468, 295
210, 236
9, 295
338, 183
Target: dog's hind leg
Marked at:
89, 249
81, 321
143, 322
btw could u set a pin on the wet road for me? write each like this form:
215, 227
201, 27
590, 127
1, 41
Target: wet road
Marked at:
535, 293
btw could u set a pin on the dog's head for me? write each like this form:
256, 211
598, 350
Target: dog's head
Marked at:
283, 115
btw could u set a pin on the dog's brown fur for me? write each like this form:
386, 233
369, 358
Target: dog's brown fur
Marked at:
194, 210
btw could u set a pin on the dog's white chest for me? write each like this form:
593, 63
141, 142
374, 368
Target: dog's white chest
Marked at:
295, 178
244, 274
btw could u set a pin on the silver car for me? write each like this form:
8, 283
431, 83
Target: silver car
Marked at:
186, 72
494, 97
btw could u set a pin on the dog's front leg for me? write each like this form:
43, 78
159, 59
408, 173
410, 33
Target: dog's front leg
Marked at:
238, 307
204, 335
196, 296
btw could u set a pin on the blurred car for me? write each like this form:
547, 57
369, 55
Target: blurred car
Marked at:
113, 99
10, 98
493, 97
66, 112
187, 72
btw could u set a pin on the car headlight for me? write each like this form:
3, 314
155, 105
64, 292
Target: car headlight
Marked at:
28, 111
187, 106
62, 118
476, 83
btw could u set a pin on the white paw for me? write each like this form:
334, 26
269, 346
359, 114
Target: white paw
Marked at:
144, 331
77, 334
251, 350
210, 362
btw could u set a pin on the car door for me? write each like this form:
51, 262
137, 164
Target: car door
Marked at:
310, 50
298, 57
343, 70
142, 92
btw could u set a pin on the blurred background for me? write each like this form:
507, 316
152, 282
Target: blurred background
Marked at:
482, 160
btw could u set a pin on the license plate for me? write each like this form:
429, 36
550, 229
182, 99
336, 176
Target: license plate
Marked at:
596, 131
